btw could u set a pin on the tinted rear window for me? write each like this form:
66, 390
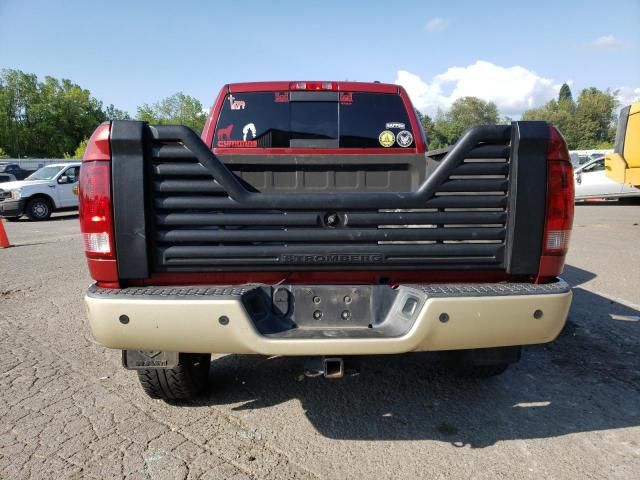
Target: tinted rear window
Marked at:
356, 120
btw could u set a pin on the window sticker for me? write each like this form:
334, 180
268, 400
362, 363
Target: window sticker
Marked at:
346, 98
236, 104
404, 138
225, 133
224, 137
399, 125
386, 138
281, 97
237, 143
249, 127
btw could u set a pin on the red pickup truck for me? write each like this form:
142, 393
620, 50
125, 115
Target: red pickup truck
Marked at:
309, 219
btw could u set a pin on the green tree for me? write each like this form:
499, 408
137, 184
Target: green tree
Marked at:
113, 113
79, 151
18, 91
595, 118
464, 113
442, 131
4, 154
469, 111
565, 93
562, 114
44, 118
586, 124
177, 109
427, 125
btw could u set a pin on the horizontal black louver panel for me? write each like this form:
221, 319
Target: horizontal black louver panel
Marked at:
316, 235
213, 187
199, 202
438, 254
315, 219
198, 226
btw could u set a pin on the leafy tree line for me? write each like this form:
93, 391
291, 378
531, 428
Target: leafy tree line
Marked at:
465, 112
54, 118
588, 123
46, 118
176, 109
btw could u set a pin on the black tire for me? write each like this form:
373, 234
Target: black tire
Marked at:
629, 201
481, 362
184, 382
38, 209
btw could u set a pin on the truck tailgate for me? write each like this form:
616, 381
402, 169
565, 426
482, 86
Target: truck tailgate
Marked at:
480, 206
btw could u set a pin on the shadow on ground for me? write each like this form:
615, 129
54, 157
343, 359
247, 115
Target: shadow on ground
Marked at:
54, 218
587, 380
600, 202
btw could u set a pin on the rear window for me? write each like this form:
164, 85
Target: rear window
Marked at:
339, 120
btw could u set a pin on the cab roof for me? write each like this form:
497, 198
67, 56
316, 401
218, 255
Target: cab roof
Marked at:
373, 87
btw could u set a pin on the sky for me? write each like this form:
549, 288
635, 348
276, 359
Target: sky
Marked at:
516, 54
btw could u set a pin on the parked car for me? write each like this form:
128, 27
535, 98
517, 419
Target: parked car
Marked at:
591, 181
308, 219
578, 160
7, 177
15, 170
46, 190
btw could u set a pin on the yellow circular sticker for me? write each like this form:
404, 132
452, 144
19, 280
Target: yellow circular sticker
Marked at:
387, 138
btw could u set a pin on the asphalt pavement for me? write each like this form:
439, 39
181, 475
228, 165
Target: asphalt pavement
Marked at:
569, 409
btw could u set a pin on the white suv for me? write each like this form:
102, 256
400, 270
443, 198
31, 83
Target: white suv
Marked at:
49, 189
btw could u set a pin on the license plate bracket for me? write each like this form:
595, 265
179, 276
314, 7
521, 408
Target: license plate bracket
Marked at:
332, 306
142, 360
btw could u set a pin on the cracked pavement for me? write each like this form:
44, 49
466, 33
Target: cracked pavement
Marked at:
569, 409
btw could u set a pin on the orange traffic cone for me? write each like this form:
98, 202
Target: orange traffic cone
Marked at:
4, 240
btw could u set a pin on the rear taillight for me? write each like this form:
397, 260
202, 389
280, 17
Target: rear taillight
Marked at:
559, 208
96, 222
95, 207
312, 86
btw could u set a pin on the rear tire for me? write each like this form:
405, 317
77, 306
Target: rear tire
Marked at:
629, 201
477, 371
38, 209
184, 382
481, 362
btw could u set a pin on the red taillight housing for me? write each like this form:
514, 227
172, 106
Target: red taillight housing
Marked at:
95, 207
559, 209
96, 222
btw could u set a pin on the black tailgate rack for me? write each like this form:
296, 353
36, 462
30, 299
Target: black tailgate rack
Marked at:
479, 205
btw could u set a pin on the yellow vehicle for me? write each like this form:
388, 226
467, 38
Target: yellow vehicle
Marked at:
623, 165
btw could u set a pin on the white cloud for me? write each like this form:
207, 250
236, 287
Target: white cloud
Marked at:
628, 95
605, 41
512, 89
437, 24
